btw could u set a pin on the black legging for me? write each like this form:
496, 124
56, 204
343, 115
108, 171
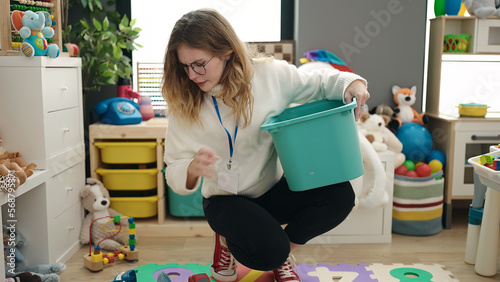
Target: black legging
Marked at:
252, 227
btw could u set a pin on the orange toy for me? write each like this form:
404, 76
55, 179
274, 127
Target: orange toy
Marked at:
405, 98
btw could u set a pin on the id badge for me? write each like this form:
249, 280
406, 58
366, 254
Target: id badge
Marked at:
228, 178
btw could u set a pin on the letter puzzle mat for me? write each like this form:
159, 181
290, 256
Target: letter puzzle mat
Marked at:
311, 273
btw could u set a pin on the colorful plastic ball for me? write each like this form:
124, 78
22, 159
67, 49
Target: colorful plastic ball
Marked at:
411, 173
401, 170
423, 170
416, 140
410, 165
436, 155
435, 166
121, 256
105, 260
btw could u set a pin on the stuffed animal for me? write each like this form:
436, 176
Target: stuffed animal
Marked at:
405, 98
16, 265
24, 277
35, 28
14, 171
371, 189
482, 8
95, 199
385, 110
374, 128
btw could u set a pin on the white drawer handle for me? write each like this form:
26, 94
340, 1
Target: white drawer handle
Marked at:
64, 88
66, 129
71, 228
69, 188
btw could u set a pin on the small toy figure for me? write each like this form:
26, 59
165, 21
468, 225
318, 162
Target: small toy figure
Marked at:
35, 28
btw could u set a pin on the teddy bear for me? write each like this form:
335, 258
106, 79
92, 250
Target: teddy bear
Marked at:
34, 27
95, 200
374, 128
16, 266
385, 110
405, 98
14, 170
483, 8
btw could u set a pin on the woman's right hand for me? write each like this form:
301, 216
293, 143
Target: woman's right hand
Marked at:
202, 165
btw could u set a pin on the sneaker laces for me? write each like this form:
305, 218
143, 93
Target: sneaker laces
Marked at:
286, 272
226, 260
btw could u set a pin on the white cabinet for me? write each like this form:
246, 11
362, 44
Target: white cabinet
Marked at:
462, 78
41, 116
461, 138
365, 225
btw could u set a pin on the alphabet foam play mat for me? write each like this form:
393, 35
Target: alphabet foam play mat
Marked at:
309, 273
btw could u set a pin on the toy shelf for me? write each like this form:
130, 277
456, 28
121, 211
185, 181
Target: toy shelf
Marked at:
8, 45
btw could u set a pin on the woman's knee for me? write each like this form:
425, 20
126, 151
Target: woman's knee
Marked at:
265, 257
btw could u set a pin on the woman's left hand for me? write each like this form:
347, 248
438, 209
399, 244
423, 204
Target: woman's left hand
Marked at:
357, 89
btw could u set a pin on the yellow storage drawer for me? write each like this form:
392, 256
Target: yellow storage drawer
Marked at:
127, 152
138, 207
128, 179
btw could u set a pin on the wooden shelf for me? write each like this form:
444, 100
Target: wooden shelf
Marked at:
39, 177
6, 30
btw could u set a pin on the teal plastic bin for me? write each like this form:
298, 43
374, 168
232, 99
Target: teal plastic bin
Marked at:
185, 205
317, 144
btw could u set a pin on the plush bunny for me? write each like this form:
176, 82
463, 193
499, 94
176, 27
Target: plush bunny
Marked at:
35, 28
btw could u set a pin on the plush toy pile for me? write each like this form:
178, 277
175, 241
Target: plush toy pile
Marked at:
421, 160
17, 268
14, 170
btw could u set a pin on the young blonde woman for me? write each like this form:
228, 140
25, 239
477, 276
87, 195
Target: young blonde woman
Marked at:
218, 97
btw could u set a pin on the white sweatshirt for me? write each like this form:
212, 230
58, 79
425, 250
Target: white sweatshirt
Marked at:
275, 85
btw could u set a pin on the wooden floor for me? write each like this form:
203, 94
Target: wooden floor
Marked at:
446, 248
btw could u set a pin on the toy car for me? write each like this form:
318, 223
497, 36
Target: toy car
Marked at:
126, 276
200, 277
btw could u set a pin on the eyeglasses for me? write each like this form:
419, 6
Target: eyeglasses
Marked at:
197, 68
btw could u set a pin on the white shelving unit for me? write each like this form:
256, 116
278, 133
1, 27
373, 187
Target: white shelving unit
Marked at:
461, 78
41, 117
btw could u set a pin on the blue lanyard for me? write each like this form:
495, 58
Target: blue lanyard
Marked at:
231, 141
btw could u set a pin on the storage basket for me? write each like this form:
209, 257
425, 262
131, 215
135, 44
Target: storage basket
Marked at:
456, 43
317, 144
418, 205
139, 207
128, 179
127, 152
186, 205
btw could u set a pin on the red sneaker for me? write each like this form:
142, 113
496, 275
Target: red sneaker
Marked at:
286, 273
223, 263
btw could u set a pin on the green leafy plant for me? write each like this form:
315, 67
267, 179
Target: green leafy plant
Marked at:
105, 38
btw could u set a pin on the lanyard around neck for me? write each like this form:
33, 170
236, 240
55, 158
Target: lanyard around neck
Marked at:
232, 142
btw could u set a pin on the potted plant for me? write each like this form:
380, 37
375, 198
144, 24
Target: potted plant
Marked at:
105, 39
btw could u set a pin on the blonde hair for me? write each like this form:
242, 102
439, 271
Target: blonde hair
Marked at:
208, 30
